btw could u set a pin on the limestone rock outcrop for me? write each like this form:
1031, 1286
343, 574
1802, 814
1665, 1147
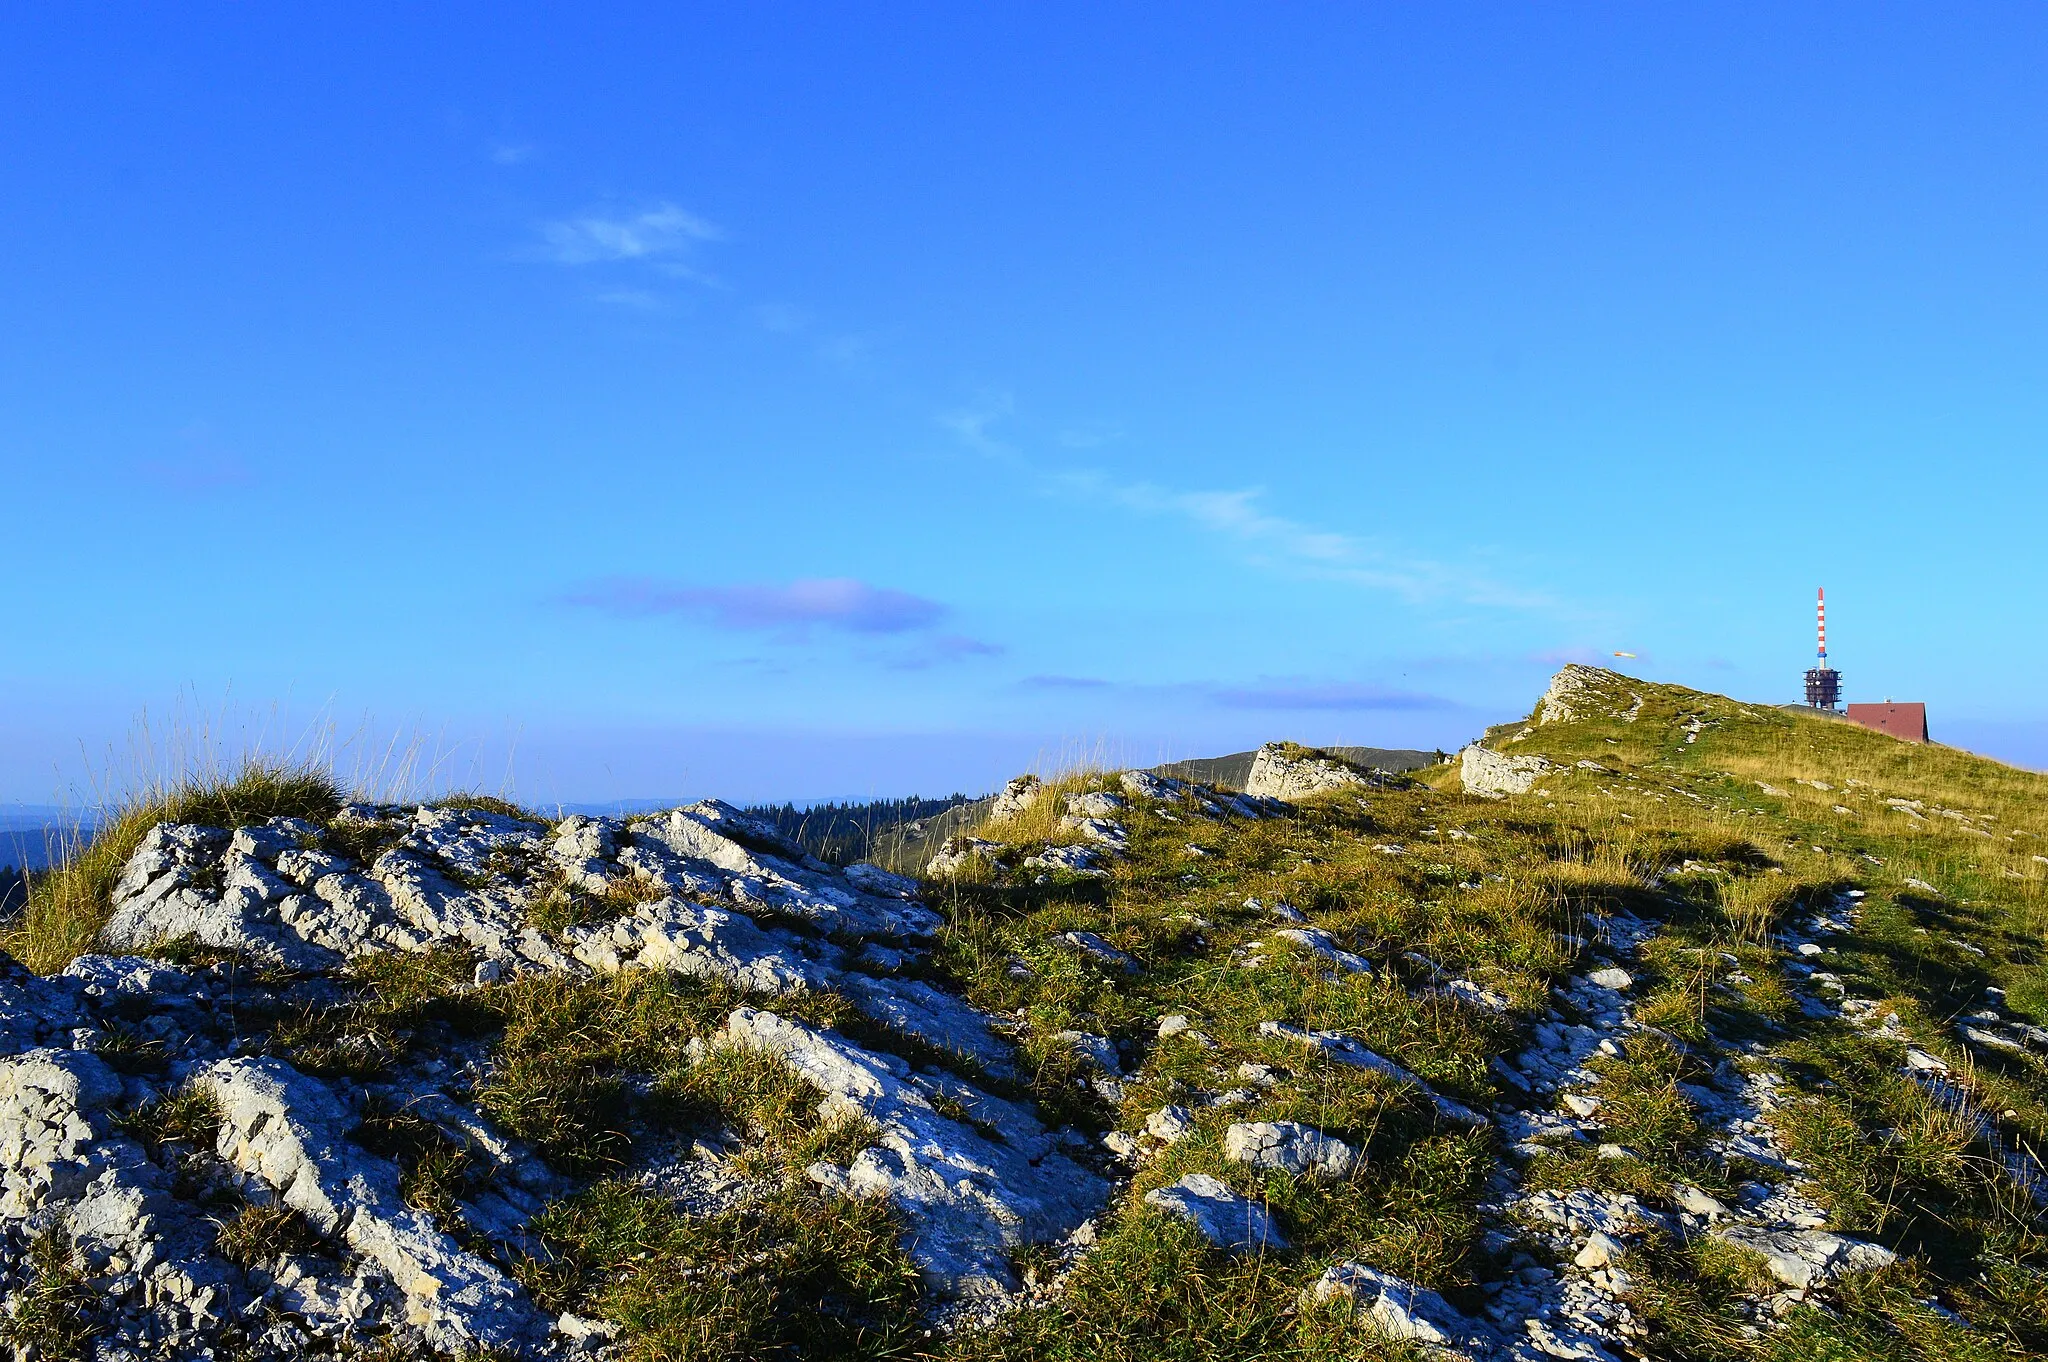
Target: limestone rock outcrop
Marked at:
1285, 772
1496, 775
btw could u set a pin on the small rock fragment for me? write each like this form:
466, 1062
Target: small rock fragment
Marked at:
1227, 1220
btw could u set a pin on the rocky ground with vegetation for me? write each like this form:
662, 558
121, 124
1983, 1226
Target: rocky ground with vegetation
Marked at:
1657, 1025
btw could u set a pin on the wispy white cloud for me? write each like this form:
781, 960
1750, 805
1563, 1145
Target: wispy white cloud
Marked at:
663, 236
1281, 543
1266, 538
973, 425
509, 153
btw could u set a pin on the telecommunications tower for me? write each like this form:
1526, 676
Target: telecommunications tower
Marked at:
1823, 683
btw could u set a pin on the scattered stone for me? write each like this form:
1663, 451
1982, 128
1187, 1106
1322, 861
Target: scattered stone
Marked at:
1074, 860
1103, 832
1398, 1310
956, 853
1227, 1220
1291, 1148
1100, 951
1620, 980
1805, 1259
1599, 1250
1170, 1124
967, 1199
1693, 1201
1324, 945
291, 1132
1345, 1050
1279, 909
1146, 785
1097, 1050
1096, 804
1017, 796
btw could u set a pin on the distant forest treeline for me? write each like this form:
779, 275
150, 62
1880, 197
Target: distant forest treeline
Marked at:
844, 833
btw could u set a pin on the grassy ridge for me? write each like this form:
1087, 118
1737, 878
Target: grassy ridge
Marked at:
1676, 823
1723, 821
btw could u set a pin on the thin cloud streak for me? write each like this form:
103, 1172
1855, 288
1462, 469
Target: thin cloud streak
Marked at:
840, 603
1275, 542
658, 235
1065, 683
1280, 543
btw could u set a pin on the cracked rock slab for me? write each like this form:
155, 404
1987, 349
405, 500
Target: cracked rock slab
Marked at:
1397, 1309
1804, 1259
1232, 1223
292, 1132
967, 1200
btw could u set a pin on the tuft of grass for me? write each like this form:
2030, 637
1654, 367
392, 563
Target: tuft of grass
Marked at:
1038, 822
260, 1234
1754, 905
398, 1000
556, 906
186, 1116
574, 1052
52, 1314
1154, 1289
68, 904
483, 803
791, 1274
435, 1169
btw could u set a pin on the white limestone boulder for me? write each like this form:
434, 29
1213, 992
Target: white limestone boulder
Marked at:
1284, 772
1289, 1147
1495, 775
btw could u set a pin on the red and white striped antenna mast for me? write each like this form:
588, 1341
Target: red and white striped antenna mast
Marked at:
1823, 683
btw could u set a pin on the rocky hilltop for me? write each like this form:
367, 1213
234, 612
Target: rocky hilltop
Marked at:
1655, 1025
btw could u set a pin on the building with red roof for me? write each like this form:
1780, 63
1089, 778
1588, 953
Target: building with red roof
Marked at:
1907, 721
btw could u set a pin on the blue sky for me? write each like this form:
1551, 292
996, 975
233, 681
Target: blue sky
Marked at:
800, 401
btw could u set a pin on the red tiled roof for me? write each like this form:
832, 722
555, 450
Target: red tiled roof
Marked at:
1908, 721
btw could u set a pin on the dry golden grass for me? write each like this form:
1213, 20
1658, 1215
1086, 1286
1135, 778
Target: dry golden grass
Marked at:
1039, 821
68, 904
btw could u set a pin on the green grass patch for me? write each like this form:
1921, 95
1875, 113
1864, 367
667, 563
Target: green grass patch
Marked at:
793, 1274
